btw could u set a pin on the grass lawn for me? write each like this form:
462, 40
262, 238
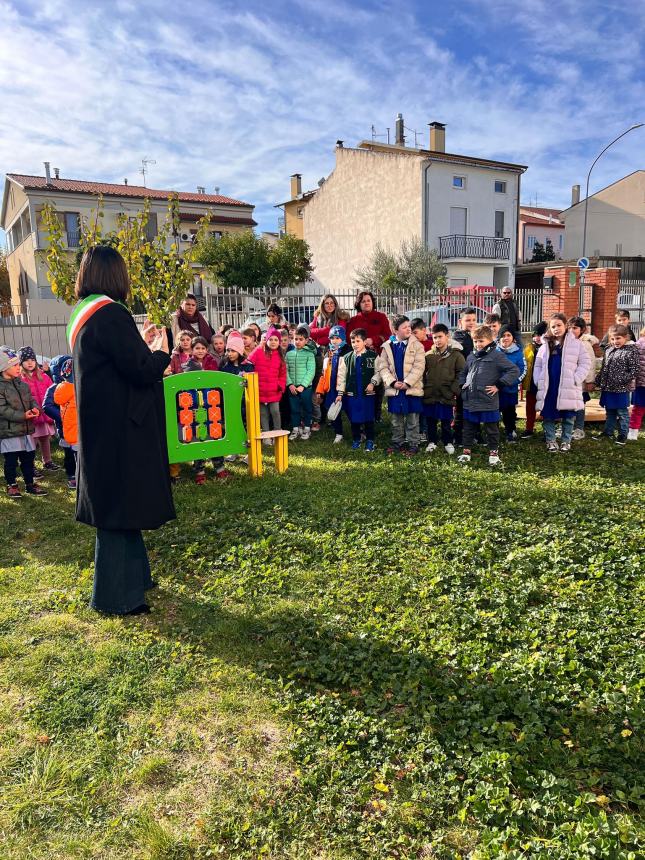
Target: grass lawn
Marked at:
367, 657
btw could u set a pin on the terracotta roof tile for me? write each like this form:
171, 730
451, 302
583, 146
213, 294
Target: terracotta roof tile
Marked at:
108, 189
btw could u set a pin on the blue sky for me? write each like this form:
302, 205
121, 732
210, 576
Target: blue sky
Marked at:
240, 96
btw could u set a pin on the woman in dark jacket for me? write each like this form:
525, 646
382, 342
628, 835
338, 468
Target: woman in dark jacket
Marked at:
123, 474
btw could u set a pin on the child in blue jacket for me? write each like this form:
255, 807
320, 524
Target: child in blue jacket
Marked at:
53, 410
509, 395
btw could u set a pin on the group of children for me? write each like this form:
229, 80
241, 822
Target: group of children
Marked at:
440, 387
35, 406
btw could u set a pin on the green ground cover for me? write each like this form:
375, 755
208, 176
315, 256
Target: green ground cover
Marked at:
367, 657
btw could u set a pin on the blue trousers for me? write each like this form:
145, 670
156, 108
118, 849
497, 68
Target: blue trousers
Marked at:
301, 407
121, 571
620, 415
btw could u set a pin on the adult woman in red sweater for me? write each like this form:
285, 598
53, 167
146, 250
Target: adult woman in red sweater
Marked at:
378, 329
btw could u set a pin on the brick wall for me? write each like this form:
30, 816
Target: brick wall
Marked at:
565, 297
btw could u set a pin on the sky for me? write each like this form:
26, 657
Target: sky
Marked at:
242, 95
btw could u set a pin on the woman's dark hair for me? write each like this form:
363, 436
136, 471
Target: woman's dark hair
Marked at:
361, 296
224, 329
274, 309
191, 297
102, 272
578, 322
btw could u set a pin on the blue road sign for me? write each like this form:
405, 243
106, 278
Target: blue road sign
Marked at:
583, 263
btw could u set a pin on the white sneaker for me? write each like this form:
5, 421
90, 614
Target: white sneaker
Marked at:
267, 442
632, 435
338, 438
552, 447
449, 448
578, 434
294, 434
431, 447
231, 458
305, 433
463, 458
564, 447
494, 459
244, 460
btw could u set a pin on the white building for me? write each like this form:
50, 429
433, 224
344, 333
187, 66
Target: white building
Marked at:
463, 206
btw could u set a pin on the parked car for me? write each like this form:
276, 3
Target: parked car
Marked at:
446, 314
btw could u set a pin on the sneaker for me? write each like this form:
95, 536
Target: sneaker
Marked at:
231, 458
620, 440
306, 433
449, 449
565, 447
35, 490
411, 451
315, 427
632, 434
13, 492
200, 478
244, 460
600, 437
269, 442
294, 434
494, 459
71, 483
356, 445
463, 458
578, 435
512, 437
51, 467
38, 473
432, 447
222, 474
369, 446
338, 438
552, 447
527, 434
423, 437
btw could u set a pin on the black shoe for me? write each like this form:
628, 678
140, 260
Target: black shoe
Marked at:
527, 434
599, 437
51, 467
620, 440
144, 609
38, 473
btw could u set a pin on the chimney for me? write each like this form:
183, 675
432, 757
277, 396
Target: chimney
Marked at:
399, 134
201, 189
125, 181
575, 194
217, 189
57, 173
339, 144
437, 136
47, 173
296, 185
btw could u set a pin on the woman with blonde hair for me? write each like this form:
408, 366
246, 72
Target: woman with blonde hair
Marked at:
327, 314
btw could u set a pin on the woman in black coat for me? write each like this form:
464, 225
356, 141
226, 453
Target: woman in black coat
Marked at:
123, 480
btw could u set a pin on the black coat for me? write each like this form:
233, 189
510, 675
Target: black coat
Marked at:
123, 475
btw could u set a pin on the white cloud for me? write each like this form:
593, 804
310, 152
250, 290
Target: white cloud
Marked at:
241, 97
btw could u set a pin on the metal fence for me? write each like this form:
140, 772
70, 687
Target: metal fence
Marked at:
632, 298
46, 337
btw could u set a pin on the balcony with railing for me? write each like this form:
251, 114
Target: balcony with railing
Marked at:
474, 247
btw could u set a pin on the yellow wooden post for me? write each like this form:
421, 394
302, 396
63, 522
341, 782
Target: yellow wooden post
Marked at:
281, 454
253, 425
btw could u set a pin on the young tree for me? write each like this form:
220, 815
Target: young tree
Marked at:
238, 261
413, 268
290, 262
5, 286
539, 253
549, 253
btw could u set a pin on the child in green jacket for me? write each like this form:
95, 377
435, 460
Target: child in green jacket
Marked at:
301, 369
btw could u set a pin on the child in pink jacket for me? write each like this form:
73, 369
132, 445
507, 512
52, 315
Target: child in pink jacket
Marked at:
38, 382
270, 366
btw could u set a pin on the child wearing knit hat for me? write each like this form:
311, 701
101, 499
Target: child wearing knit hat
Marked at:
326, 392
38, 382
18, 409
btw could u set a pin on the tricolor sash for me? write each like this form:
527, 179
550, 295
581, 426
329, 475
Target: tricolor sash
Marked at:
82, 312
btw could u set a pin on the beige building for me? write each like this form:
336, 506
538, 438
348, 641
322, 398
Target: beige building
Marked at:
615, 220
463, 206
25, 196
294, 208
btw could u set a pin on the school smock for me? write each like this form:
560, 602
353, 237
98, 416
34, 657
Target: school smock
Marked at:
360, 407
491, 416
550, 411
614, 399
438, 411
402, 403
638, 396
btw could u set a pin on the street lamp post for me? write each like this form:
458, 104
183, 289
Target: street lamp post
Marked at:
584, 229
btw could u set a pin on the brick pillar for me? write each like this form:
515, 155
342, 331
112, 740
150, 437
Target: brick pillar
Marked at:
606, 283
565, 295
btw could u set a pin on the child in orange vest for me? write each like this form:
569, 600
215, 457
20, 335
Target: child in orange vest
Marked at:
65, 397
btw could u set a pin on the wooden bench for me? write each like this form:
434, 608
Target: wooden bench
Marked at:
281, 444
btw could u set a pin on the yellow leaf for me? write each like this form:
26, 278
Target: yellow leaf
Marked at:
626, 733
381, 786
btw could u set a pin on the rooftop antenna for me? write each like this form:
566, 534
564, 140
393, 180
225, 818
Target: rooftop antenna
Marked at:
416, 135
144, 168
375, 135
